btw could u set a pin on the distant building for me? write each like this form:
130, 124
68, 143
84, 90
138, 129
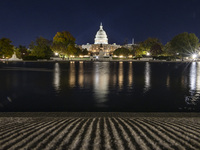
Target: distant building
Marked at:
130, 46
101, 43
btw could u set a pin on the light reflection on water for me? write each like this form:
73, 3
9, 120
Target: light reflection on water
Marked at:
194, 84
81, 75
193, 75
130, 75
56, 78
72, 74
147, 74
117, 86
120, 75
101, 80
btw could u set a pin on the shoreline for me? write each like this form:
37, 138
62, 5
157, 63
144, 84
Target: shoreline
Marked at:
101, 114
154, 61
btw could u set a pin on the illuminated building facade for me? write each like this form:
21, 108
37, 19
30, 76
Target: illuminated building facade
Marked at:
101, 43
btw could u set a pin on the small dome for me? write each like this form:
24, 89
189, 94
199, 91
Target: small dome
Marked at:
101, 37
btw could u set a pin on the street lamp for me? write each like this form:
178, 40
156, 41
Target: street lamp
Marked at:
194, 56
148, 54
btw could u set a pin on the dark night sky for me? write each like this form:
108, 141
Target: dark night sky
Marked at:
24, 20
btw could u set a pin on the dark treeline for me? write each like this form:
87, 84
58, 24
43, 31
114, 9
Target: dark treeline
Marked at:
63, 44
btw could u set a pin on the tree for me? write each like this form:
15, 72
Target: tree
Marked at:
136, 50
64, 44
121, 51
41, 48
78, 51
6, 49
184, 44
152, 45
168, 51
21, 51
85, 52
156, 49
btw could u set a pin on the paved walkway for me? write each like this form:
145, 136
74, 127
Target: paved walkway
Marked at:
100, 131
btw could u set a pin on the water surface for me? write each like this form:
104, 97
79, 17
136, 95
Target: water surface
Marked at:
100, 86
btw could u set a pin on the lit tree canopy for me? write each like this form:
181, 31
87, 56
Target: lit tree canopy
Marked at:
41, 48
184, 43
168, 51
6, 49
21, 51
152, 45
64, 43
121, 51
136, 50
156, 49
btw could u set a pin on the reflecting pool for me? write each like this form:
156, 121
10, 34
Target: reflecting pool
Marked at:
100, 86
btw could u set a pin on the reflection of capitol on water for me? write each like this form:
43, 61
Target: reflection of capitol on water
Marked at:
101, 80
147, 76
56, 78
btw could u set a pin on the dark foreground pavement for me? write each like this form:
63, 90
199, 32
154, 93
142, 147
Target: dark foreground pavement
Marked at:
76, 130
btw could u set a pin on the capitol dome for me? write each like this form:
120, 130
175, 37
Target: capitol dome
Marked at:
101, 37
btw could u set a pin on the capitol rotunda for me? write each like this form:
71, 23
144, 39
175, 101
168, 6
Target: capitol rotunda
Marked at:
101, 43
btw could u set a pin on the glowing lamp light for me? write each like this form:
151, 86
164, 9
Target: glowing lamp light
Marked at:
148, 54
194, 56
130, 56
56, 54
97, 57
80, 56
121, 56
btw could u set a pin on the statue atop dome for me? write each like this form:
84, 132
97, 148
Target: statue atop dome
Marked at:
101, 37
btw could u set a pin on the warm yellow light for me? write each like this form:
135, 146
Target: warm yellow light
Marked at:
56, 54
130, 56
121, 56
194, 56
86, 56
148, 54
81, 56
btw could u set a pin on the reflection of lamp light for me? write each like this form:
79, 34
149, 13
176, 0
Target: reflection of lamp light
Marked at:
194, 56
148, 54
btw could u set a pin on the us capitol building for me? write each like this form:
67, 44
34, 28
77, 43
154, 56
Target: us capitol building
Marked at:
101, 44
